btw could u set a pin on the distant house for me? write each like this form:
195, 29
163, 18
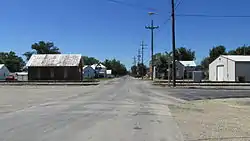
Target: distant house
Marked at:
88, 72
100, 70
22, 76
230, 68
184, 69
4, 72
65, 67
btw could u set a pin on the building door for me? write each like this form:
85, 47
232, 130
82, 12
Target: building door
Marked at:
220, 73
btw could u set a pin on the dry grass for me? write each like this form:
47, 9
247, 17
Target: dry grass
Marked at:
214, 120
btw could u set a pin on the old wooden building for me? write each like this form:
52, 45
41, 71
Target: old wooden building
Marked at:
62, 67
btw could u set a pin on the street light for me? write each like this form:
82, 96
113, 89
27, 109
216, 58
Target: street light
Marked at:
152, 28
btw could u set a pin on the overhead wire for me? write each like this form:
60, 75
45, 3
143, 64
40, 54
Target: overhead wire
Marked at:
176, 6
132, 5
213, 16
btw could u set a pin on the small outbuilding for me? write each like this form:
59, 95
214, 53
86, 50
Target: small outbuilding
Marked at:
184, 69
230, 68
100, 70
88, 72
4, 72
62, 67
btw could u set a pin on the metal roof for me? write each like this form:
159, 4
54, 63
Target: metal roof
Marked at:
1, 65
86, 66
238, 58
54, 60
98, 65
188, 63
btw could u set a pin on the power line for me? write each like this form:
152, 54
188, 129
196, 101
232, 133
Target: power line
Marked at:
213, 16
178, 4
132, 5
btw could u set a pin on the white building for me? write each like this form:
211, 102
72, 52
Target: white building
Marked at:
100, 70
230, 68
88, 72
3, 72
22, 76
184, 69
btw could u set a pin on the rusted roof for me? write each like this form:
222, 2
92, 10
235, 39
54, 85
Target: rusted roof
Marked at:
54, 60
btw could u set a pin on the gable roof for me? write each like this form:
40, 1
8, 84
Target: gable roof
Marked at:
87, 66
237, 58
1, 66
188, 63
54, 60
98, 65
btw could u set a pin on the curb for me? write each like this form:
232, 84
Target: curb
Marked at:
49, 84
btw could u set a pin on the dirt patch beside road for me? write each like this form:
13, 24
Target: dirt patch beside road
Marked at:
213, 120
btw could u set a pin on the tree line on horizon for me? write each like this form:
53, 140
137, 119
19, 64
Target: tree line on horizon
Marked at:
16, 63
185, 54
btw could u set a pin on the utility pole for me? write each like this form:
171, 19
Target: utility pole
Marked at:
152, 28
173, 42
139, 57
142, 57
138, 61
134, 58
168, 70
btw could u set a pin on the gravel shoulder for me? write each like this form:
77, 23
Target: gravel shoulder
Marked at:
213, 120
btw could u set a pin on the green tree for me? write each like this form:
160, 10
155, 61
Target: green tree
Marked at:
89, 60
12, 61
205, 63
142, 70
118, 69
42, 47
215, 52
134, 70
184, 54
243, 50
161, 63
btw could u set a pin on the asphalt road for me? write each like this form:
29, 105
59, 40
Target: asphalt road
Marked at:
204, 94
123, 109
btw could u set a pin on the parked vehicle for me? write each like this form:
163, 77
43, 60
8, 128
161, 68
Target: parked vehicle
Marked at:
10, 78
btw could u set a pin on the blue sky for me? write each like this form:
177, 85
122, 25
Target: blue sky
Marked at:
103, 29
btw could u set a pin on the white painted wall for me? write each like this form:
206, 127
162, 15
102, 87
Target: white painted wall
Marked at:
4, 72
179, 70
88, 72
228, 70
242, 69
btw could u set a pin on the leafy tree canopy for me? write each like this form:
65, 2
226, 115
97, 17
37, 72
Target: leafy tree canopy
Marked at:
89, 60
12, 61
184, 54
42, 47
118, 69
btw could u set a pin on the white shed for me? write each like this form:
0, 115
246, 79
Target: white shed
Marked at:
88, 72
184, 69
3, 72
22, 76
230, 68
